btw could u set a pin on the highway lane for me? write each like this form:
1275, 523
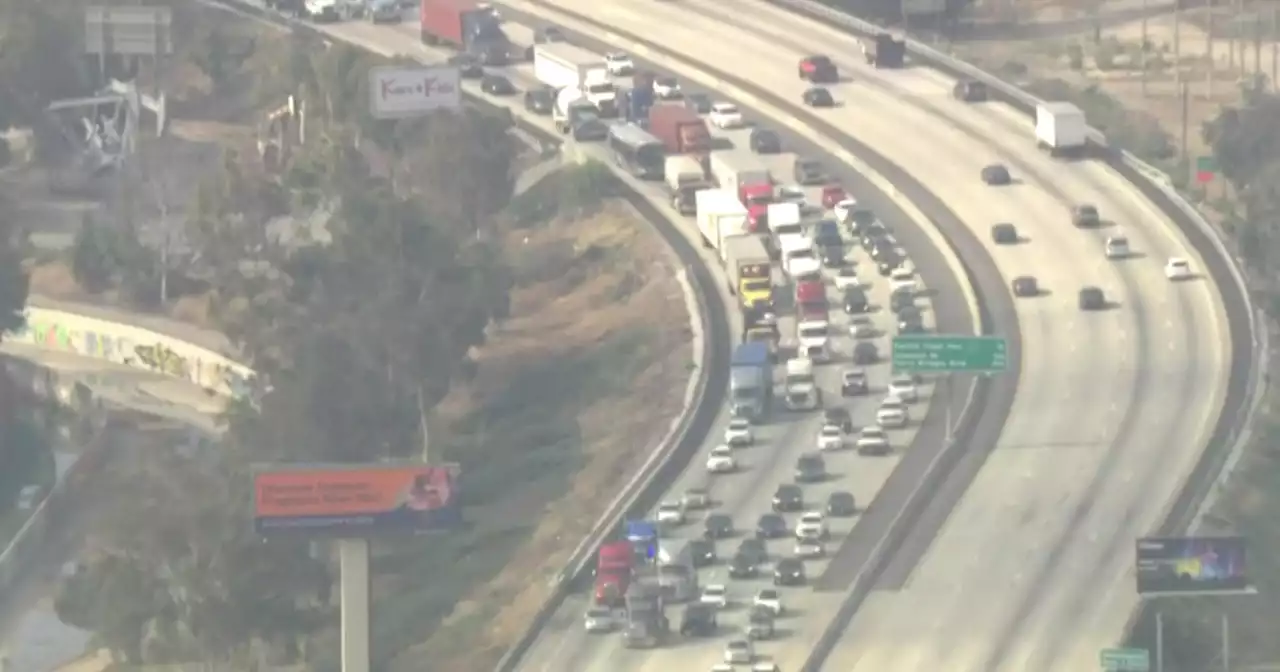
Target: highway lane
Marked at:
1071, 482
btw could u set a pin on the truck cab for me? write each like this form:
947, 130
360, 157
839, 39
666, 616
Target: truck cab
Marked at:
814, 337
757, 198
811, 300
799, 385
574, 115
598, 89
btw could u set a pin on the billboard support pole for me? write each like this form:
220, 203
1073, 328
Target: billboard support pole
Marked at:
947, 402
1226, 643
353, 563
1159, 641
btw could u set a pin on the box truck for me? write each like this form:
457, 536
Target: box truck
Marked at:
560, 65
746, 261
1061, 129
680, 129
744, 174
720, 216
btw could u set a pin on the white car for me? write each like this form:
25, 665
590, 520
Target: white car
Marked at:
726, 115
812, 525
738, 433
666, 87
1117, 247
902, 279
903, 387
695, 498
769, 598
721, 460
619, 64
844, 209
892, 414
598, 620
739, 651
767, 666
861, 327
671, 512
807, 549
830, 438
1177, 268
716, 595
847, 277
873, 441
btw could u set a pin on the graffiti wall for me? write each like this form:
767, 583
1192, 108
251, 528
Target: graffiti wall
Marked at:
134, 346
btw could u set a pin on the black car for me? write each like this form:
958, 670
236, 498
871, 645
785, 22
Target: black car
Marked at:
772, 526
819, 69
718, 526
754, 550
865, 353
1025, 286
703, 552
469, 67
810, 469
743, 566
698, 102
970, 91
841, 504
872, 235
853, 383
1092, 298
698, 620
765, 141
888, 263
833, 255
827, 232
910, 325
788, 497
540, 101
1004, 234
1085, 216
881, 247
910, 314
760, 623
788, 572
996, 175
497, 85
818, 97
855, 301
839, 417
809, 172
860, 220
548, 35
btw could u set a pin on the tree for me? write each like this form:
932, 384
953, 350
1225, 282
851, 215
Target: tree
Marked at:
14, 280
93, 256
39, 59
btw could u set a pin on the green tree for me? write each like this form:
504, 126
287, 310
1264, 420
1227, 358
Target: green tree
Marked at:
39, 58
93, 257
14, 280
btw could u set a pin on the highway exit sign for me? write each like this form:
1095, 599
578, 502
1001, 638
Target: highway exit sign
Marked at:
949, 354
1125, 660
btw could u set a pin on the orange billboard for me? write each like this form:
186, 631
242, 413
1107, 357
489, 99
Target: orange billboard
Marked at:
355, 501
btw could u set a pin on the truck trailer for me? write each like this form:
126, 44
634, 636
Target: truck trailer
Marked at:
750, 381
1061, 129
613, 573
647, 625
746, 261
720, 216
563, 66
884, 51
744, 174
680, 129
466, 26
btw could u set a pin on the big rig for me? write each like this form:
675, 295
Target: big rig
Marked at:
680, 129
685, 177
799, 387
613, 573
884, 51
676, 574
466, 26
560, 65
647, 623
750, 381
744, 174
750, 276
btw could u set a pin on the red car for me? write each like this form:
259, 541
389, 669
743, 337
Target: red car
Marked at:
832, 194
818, 69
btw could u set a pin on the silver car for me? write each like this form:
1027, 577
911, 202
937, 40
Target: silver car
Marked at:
598, 620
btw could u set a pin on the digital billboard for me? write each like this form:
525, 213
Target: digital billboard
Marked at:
354, 501
1191, 565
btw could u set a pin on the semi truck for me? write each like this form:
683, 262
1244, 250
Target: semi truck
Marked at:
720, 216
884, 51
1061, 129
750, 275
574, 115
647, 625
560, 65
760, 325
744, 174
640, 98
677, 576
613, 573
800, 390
750, 381
811, 300
466, 26
680, 129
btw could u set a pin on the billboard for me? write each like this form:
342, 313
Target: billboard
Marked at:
398, 92
354, 500
1191, 565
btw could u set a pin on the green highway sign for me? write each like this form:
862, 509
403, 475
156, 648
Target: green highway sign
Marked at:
1125, 660
949, 354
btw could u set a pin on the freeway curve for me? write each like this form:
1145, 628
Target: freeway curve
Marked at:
1113, 408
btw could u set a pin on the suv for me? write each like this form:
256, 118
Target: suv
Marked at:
765, 141
698, 620
1004, 234
853, 383
1085, 216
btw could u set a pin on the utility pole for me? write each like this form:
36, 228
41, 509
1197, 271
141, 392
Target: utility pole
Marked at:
1145, 48
1226, 644
1208, 51
1231, 37
1177, 44
1257, 47
1186, 155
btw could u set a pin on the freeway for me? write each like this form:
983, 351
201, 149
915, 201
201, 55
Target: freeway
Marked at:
1029, 572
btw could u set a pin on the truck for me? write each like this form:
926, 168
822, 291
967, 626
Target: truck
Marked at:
720, 216
647, 624
811, 300
800, 389
560, 65
574, 115
1061, 129
680, 129
760, 325
466, 26
750, 275
613, 573
750, 381
640, 98
814, 337
680, 171
786, 225
677, 576
744, 174
883, 51
643, 537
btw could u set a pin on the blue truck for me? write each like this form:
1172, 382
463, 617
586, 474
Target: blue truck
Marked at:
750, 381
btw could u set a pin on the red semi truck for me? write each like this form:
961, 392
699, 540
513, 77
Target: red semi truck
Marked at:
811, 300
680, 129
466, 26
613, 573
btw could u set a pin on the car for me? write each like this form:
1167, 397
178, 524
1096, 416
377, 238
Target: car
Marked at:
698, 620
28, 497
726, 115
788, 572
619, 64
717, 526
721, 460
703, 552
754, 549
861, 327
764, 141
671, 512
902, 302
909, 325
540, 101
854, 300
830, 437
809, 172
738, 433
888, 261
865, 353
716, 595
788, 497
833, 255
698, 102
1004, 234
598, 620
759, 625
839, 417
818, 69
892, 414
841, 504
863, 221
844, 209
1177, 268
497, 85
1025, 285
853, 383
812, 525
765, 666
742, 566
1092, 298
469, 67
667, 88
772, 525
739, 651
791, 193
808, 549
548, 35
904, 387
769, 599
847, 278
996, 175
810, 468
833, 194
695, 498
882, 247
384, 11
903, 279
1116, 247
1085, 216
970, 91
873, 441
817, 96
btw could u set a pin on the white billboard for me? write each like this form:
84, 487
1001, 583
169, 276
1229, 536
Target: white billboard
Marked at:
396, 92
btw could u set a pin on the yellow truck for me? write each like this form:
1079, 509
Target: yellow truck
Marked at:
746, 261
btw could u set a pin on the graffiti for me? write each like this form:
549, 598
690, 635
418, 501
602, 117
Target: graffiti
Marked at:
53, 336
162, 359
